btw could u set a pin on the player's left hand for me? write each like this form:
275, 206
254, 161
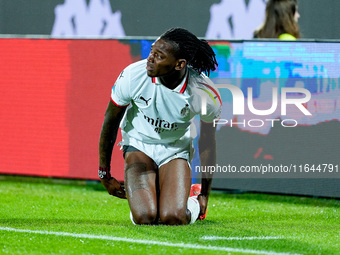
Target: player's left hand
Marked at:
203, 200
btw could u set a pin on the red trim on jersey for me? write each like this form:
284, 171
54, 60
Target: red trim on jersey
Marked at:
185, 85
120, 106
213, 90
182, 89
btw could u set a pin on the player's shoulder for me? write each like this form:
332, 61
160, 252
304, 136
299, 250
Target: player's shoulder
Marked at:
134, 78
201, 87
200, 82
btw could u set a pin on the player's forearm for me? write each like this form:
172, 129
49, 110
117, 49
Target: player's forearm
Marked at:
207, 158
105, 151
108, 134
106, 142
206, 185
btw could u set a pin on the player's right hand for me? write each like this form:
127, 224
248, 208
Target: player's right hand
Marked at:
113, 187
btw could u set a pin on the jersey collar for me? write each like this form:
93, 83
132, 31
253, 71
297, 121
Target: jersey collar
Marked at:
180, 88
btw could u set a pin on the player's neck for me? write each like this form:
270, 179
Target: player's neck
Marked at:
172, 80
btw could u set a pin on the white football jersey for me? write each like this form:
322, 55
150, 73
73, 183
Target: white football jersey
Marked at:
156, 114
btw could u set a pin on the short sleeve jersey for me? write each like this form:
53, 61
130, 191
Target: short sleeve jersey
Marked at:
156, 114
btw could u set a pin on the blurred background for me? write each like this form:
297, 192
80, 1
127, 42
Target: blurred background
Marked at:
226, 19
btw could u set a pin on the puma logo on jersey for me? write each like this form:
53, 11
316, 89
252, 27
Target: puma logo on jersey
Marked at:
145, 100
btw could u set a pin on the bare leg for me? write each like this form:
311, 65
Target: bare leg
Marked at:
175, 183
141, 187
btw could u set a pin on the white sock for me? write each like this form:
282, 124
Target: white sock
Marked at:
194, 207
131, 218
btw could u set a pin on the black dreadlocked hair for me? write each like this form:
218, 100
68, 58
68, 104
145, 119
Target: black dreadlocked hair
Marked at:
197, 52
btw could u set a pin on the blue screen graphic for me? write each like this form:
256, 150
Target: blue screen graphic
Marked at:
276, 138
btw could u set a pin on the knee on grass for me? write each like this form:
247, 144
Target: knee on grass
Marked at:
178, 217
145, 218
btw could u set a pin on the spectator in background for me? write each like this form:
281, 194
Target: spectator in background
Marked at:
281, 21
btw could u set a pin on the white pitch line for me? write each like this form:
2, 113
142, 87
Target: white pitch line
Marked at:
240, 238
146, 242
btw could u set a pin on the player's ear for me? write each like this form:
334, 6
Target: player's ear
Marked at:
181, 63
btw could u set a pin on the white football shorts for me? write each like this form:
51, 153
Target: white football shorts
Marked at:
162, 153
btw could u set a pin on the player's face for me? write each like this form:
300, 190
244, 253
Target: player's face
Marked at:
160, 61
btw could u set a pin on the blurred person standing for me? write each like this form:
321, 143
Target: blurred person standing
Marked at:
281, 21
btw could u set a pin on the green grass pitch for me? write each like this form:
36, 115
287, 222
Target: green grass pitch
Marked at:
75, 217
